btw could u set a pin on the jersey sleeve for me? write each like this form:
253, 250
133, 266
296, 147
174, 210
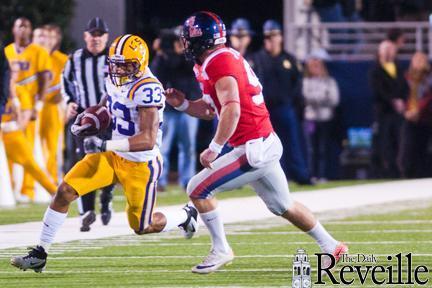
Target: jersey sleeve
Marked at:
43, 61
149, 94
221, 66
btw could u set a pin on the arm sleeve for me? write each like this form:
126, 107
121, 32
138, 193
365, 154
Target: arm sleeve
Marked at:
297, 81
333, 93
43, 61
149, 95
67, 82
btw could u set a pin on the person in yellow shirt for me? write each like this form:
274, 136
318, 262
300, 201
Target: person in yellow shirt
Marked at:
17, 147
40, 36
31, 64
52, 122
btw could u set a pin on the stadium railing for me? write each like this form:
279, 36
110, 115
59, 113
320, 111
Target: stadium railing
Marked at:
356, 41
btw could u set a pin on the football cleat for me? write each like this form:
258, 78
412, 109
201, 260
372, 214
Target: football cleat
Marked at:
190, 226
340, 249
213, 262
106, 213
106, 206
35, 259
106, 216
87, 219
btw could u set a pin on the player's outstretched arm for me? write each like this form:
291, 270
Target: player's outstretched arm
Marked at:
198, 108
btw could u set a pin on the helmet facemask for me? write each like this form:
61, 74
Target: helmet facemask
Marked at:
123, 71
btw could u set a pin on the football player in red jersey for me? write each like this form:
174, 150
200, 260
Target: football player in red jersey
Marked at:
233, 92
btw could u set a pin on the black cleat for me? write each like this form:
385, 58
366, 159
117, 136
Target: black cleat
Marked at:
106, 206
35, 259
190, 226
87, 219
106, 216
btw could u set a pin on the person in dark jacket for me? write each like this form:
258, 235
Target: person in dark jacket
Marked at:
4, 81
281, 78
173, 70
390, 90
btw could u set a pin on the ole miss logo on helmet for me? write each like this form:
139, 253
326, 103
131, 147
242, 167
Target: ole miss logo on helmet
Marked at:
193, 30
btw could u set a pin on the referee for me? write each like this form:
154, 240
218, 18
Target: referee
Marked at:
83, 85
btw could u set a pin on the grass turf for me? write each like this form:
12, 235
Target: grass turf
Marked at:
173, 195
263, 255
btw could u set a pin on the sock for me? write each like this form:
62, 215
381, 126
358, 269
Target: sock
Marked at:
52, 221
326, 242
214, 224
174, 219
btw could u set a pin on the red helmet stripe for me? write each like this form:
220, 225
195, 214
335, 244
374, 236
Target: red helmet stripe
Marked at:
215, 17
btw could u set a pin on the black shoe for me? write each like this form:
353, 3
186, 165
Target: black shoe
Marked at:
35, 259
106, 216
190, 226
106, 205
87, 219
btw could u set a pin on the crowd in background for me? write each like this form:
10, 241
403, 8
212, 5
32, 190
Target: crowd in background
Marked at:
403, 112
301, 98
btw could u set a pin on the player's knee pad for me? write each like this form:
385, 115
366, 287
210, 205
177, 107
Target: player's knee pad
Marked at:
193, 192
278, 206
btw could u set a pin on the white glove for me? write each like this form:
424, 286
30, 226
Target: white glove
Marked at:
77, 128
94, 144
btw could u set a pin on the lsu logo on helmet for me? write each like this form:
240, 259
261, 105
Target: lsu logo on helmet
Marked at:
128, 59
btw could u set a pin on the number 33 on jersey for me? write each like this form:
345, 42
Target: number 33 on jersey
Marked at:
123, 104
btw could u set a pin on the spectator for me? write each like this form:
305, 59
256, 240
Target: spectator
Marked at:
173, 70
321, 97
279, 74
396, 36
390, 89
40, 36
241, 36
417, 128
30, 66
52, 119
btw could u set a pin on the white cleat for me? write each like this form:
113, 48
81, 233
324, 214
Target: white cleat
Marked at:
213, 262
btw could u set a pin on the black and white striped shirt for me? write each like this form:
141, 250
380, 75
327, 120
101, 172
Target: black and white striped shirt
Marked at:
83, 79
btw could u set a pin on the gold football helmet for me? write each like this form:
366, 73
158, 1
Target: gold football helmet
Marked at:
128, 59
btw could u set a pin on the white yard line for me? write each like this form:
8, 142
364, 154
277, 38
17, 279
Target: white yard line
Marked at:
237, 210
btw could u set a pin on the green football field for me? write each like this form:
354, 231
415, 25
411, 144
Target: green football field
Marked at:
173, 195
263, 249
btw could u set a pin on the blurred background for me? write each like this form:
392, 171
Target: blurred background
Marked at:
359, 68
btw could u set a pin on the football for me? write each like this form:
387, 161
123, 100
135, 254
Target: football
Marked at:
98, 119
